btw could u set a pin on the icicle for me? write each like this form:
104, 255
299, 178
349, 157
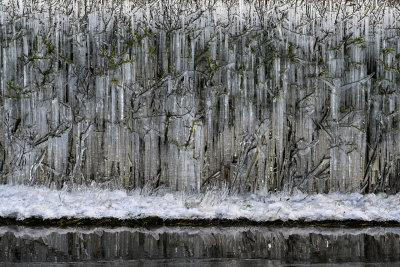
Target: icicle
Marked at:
158, 95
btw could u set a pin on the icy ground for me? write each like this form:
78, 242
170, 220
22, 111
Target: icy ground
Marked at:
25, 201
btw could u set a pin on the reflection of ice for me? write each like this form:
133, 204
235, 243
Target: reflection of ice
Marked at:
277, 243
38, 232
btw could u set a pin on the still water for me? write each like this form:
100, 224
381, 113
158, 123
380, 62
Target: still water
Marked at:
199, 246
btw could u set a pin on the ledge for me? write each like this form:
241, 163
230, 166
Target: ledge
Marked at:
157, 221
24, 205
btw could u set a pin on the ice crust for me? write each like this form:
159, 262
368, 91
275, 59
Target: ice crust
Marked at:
24, 202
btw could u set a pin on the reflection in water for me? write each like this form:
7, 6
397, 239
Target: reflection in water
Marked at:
199, 246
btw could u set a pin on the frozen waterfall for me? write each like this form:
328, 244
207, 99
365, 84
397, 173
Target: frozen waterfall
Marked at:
275, 95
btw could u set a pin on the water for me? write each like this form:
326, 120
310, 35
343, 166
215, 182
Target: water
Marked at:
200, 246
212, 263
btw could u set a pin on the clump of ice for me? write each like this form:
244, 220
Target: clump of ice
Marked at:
24, 202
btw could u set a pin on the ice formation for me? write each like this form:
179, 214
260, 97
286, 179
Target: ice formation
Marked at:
271, 95
43, 202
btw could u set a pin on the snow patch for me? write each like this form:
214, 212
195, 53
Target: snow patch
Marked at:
24, 201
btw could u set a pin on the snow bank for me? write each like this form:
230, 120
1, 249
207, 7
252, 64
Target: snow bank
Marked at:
23, 202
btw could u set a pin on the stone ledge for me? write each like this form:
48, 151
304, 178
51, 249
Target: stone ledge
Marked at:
158, 221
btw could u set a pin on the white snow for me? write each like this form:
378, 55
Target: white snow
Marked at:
24, 201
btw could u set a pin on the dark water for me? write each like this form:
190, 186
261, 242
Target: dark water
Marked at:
188, 246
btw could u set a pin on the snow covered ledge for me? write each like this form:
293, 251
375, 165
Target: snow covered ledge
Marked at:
19, 203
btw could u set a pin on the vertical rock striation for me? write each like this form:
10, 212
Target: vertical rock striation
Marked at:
254, 95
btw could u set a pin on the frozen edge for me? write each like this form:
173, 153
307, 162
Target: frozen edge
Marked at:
38, 232
88, 206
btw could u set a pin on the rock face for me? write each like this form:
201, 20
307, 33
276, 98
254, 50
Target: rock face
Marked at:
188, 94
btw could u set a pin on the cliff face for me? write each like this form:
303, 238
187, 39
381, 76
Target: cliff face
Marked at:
187, 94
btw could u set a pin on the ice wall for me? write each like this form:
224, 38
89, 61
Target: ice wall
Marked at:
270, 95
